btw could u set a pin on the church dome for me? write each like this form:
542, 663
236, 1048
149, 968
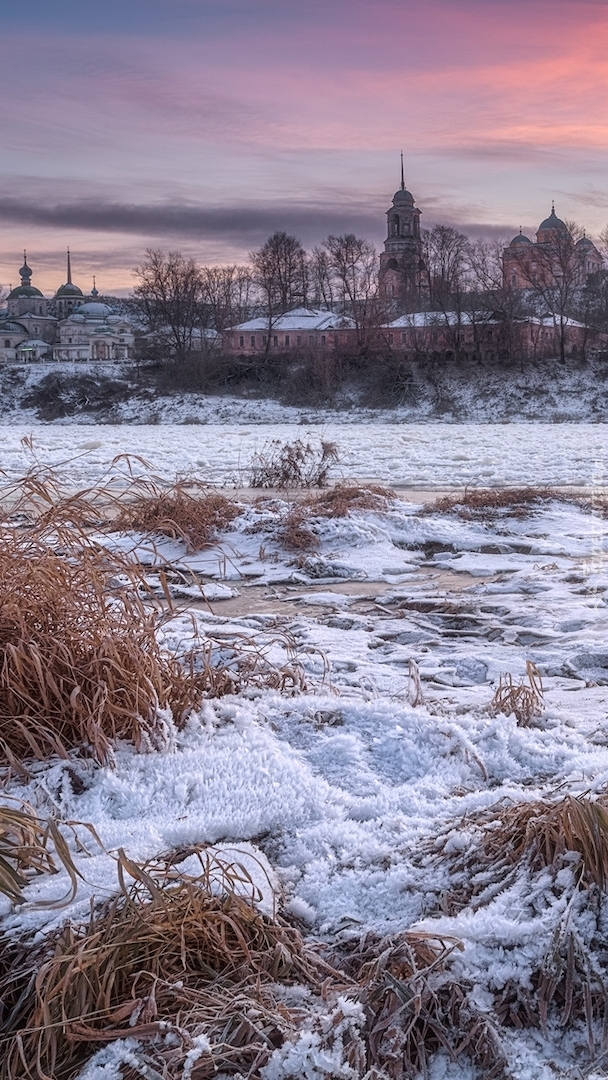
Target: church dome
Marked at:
95, 308
553, 222
585, 244
520, 239
68, 290
24, 291
403, 197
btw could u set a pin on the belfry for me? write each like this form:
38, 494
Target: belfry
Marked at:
401, 264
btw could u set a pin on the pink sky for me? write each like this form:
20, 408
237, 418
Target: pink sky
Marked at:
204, 126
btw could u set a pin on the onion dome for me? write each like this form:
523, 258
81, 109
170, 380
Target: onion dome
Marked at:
26, 289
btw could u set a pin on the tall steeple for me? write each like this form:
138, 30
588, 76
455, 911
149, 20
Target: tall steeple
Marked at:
402, 177
69, 281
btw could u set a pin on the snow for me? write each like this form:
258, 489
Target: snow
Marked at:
425, 456
348, 805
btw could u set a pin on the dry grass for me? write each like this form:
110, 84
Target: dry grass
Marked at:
525, 701
485, 502
187, 511
164, 958
415, 1008
285, 466
295, 532
542, 832
30, 847
81, 663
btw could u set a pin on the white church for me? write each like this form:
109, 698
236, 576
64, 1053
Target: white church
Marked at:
69, 326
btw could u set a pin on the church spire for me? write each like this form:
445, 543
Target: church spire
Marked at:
69, 269
402, 179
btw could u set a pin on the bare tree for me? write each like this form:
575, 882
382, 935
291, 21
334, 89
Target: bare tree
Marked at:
227, 295
169, 296
321, 283
353, 267
280, 272
446, 256
553, 273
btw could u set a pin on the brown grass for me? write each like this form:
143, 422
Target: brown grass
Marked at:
187, 511
485, 502
285, 466
295, 532
29, 847
162, 957
415, 1008
525, 702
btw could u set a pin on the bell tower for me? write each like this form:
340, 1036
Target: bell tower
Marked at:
401, 265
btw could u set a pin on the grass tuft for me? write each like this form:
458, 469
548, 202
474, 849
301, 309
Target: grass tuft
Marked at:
187, 511
288, 465
525, 702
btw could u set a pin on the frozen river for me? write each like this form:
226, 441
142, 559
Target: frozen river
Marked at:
412, 455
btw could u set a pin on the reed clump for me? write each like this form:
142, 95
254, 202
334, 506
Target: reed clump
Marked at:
80, 660
186, 510
415, 1008
165, 962
524, 701
288, 465
486, 502
295, 532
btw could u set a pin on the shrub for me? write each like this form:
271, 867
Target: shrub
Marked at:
285, 465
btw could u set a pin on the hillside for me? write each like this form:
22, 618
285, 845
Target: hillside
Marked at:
545, 391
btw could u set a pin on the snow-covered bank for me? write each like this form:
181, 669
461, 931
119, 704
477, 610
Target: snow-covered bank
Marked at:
85, 393
370, 804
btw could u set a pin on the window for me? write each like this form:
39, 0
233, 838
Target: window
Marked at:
311, 339
323, 339
390, 339
252, 340
275, 340
403, 337
7, 343
287, 339
241, 342
299, 339
264, 340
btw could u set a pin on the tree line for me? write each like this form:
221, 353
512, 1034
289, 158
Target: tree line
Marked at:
180, 302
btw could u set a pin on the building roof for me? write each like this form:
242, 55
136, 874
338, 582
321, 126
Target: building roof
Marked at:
68, 290
305, 319
553, 222
420, 319
520, 239
24, 291
403, 197
11, 327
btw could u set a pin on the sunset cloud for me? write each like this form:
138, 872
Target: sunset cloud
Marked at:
210, 124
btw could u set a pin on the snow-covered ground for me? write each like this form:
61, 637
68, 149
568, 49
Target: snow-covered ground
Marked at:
361, 801
424, 456
357, 799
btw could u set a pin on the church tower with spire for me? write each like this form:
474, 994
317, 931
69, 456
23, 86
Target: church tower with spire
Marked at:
401, 264
68, 297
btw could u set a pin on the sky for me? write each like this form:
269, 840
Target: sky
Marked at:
204, 125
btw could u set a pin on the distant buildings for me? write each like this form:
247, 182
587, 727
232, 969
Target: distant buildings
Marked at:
553, 261
70, 326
